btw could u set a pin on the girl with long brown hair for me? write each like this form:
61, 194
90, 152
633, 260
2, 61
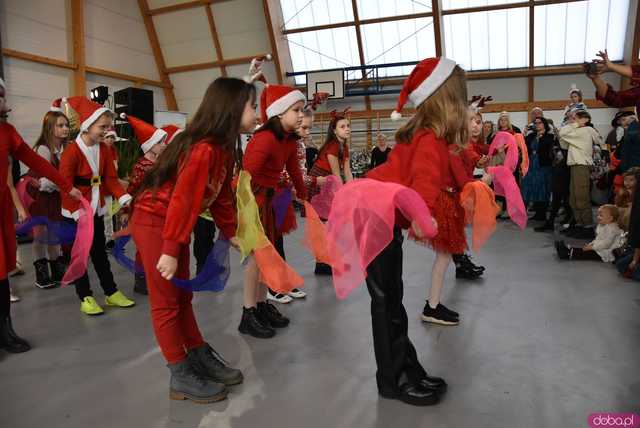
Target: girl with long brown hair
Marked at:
53, 138
193, 173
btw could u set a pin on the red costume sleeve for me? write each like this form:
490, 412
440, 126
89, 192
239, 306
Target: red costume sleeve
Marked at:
257, 153
67, 167
223, 209
626, 98
186, 199
425, 169
459, 165
293, 168
21, 151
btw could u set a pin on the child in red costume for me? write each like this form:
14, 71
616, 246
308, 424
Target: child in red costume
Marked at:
333, 159
427, 158
474, 156
87, 162
152, 142
273, 146
193, 174
12, 144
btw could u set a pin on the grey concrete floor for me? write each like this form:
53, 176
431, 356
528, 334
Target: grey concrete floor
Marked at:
542, 343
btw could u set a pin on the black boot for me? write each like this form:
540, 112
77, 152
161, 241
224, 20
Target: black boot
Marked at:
270, 315
58, 268
435, 383
140, 284
253, 326
187, 384
207, 362
9, 340
43, 280
322, 269
563, 251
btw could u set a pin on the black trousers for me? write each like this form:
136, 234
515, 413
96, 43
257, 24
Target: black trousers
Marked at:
396, 356
100, 261
5, 300
580, 254
204, 237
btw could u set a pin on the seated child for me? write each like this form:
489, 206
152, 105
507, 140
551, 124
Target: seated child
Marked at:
608, 238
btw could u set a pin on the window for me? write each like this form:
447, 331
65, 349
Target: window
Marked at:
398, 41
371, 9
572, 33
324, 49
488, 40
307, 13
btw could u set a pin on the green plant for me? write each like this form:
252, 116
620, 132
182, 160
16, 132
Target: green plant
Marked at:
128, 154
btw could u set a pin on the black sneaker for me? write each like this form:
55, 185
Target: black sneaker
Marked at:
440, 315
465, 272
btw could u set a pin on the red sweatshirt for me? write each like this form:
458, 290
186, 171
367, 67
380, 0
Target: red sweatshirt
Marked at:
428, 165
139, 170
266, 157
203, 181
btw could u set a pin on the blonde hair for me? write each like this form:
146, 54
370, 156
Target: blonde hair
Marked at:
444, 112
613, 211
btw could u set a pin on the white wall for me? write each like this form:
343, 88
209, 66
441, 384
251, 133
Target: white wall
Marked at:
115, 39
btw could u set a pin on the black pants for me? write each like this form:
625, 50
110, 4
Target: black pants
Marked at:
5, 300
279, 246
580, 254
396, 356
100, 262
558, 200
204, 237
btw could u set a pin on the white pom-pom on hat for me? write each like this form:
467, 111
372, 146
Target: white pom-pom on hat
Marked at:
123, 116
396, 115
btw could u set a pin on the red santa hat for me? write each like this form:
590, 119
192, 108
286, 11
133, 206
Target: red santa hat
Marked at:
88, 110
277, 99
146, 134
171, 131
56, 105
427, 76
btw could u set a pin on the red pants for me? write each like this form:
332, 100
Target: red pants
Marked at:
173, 320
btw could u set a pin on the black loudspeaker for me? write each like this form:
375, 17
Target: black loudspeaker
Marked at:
135, 102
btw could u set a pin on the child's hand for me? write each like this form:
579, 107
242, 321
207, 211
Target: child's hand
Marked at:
22, 214
484, 160
487, 179
75, 194
320, 181
167, 266
235, 243
588, 247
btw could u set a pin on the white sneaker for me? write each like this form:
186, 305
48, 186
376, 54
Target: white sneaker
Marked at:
296, 293
13, 297
278, 297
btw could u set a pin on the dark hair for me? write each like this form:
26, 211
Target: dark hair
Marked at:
219, 118
274, 125
545, 122
583, 114
331, 131
46, 135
